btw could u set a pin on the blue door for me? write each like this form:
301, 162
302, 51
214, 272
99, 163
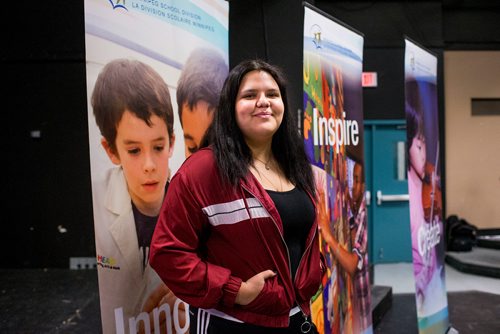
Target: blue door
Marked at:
387, 191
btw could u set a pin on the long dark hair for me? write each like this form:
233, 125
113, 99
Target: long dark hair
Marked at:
231, 151
414, 127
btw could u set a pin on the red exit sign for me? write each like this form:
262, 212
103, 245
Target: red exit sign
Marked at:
369, 79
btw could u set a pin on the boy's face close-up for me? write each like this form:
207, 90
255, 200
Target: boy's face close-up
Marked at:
195, 122
143, 152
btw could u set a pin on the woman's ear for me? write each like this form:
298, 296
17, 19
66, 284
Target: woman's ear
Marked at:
115, 159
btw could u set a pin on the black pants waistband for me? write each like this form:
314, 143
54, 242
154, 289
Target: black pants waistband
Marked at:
202, 322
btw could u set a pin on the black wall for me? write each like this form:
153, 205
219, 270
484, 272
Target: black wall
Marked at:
48, 178
271, 30
42, 60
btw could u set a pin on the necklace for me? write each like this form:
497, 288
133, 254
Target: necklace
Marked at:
266, 164
264, 177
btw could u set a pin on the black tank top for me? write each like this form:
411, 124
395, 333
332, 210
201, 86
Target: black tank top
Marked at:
297, 214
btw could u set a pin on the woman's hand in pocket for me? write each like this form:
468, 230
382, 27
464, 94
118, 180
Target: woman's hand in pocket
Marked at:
250, 289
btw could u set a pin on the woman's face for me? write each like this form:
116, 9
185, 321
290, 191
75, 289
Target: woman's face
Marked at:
259, 107
418, 155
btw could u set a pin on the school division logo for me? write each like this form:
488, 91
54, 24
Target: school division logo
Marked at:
316, 34
412, 61
116, 4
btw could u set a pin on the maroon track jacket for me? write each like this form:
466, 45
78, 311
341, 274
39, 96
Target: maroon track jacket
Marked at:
210, 237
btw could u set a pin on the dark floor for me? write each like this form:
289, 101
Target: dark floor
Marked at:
49, 301
483, 261
67, 301
470, 312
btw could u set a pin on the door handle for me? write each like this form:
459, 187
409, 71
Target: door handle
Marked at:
391, 198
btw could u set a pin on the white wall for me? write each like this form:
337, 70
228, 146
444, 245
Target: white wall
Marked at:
472, 143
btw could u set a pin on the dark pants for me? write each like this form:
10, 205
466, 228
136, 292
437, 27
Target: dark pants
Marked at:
201, 322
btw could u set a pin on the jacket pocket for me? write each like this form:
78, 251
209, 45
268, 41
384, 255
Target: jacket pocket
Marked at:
272, 300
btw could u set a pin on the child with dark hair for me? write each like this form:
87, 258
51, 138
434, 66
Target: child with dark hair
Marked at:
132, 108
354, 260
425, 235
198, 92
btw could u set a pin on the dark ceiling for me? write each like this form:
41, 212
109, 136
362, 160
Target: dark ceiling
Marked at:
54, 30
446, 24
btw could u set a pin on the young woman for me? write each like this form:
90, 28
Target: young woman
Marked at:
237, 234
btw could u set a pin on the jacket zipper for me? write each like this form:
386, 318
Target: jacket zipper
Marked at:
288, 257
305, 327
306, 322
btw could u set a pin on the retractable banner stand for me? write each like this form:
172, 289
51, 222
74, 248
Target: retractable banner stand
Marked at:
333, 136
137, 55
424, 186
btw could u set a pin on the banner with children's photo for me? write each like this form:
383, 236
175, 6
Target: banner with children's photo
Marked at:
154, 73
424, 187
333, 137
